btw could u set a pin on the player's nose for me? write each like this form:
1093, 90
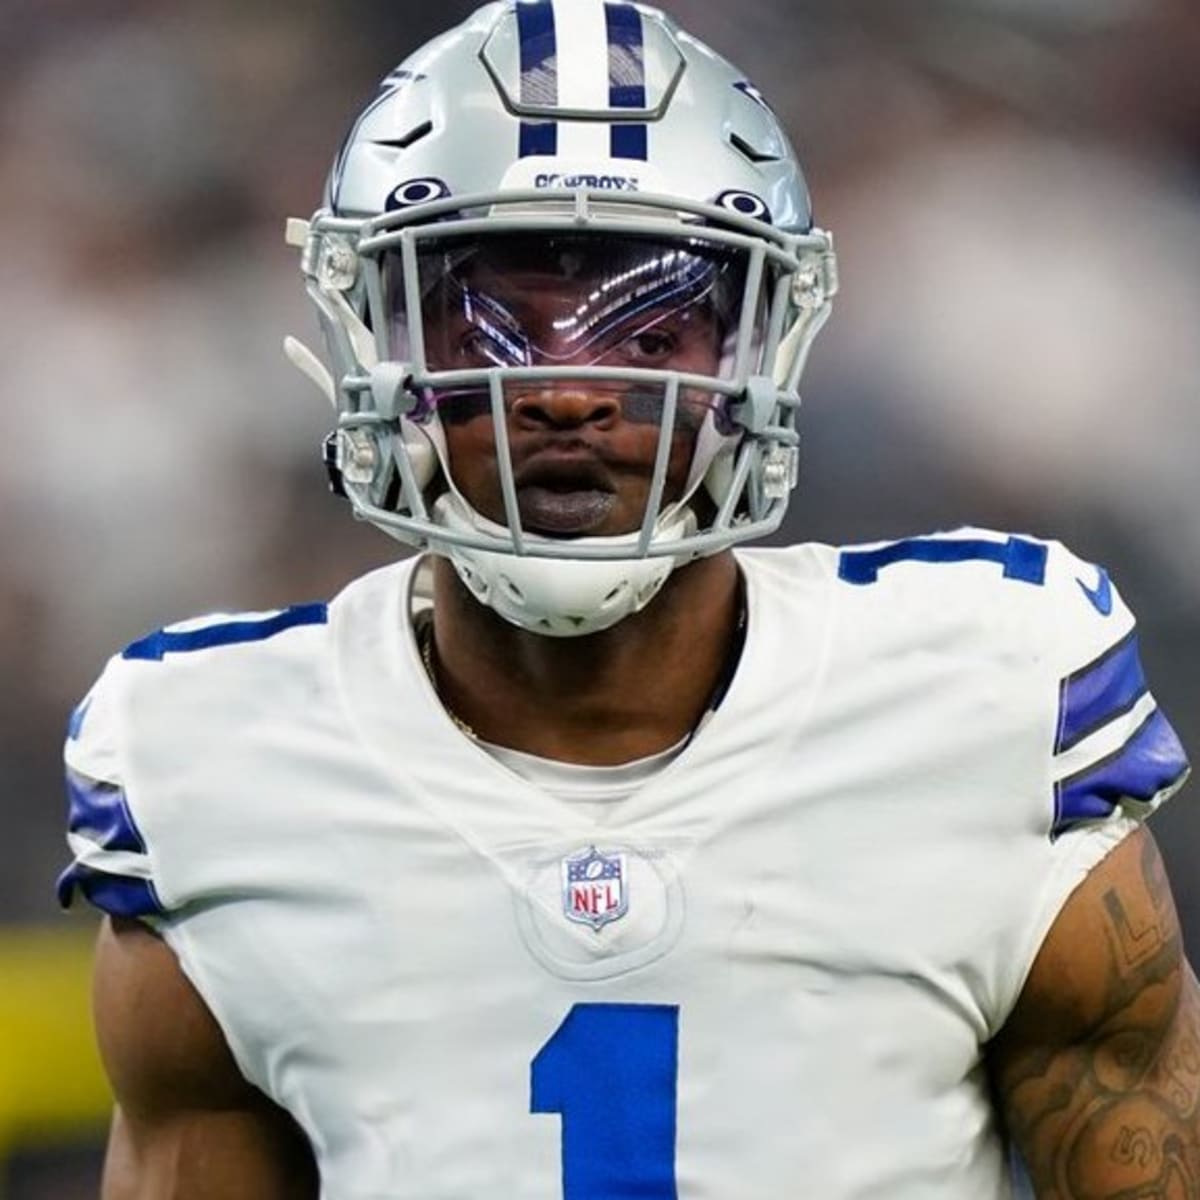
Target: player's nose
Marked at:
565, 405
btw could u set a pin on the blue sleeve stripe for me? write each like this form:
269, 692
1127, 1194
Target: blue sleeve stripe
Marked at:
1099, 693
231, 633
1149, 762
117, 895
1021, 559
100, 812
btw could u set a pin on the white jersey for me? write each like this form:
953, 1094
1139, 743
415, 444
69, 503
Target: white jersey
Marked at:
770, 971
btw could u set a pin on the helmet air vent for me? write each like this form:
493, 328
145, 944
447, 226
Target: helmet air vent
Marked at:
411, 138
514, 593
748, 152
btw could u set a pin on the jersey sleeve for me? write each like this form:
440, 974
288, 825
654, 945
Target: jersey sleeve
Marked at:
1114, 750
111, 863
156, 758
1107, 755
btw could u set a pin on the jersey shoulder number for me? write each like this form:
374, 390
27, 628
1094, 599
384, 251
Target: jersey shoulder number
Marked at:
1112, 747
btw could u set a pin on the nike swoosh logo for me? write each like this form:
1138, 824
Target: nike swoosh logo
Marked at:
1100, 597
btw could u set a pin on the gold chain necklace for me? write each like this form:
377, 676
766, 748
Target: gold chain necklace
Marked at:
425, 640
424, 631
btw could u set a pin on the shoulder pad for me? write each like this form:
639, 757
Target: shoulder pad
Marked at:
1062, 621
113, 865
972, 592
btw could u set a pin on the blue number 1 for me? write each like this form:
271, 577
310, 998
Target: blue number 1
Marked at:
1020, 558
611, 1071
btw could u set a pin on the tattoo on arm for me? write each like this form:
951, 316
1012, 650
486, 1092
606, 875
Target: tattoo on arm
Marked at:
1137, 940
1110, 1108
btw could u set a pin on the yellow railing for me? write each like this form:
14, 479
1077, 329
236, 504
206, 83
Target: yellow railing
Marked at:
52, 1088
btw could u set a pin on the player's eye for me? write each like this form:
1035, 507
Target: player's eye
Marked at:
651, 346
474, 346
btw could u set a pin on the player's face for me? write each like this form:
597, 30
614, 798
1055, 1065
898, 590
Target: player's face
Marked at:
583, 450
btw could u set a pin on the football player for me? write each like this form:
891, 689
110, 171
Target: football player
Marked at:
588, 854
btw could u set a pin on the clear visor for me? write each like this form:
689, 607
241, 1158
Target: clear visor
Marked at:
574, 299
516, 337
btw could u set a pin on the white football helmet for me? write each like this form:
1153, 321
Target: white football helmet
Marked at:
627, 160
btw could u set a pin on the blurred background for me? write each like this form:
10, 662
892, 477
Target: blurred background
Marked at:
1015, 188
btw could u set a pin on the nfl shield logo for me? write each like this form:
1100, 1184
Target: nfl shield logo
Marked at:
594, 887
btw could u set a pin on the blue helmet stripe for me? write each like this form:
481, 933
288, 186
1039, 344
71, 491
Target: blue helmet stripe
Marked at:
538, 137
539, 74
626, 78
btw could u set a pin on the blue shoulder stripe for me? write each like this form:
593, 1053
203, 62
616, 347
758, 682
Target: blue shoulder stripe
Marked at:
231, 633
1100, 692
117, 895
1149, 762
100, 812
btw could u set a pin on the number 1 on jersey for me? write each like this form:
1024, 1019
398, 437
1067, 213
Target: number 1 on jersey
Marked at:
611, 1071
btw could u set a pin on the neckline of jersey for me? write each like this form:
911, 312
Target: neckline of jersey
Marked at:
579, 781
391, 704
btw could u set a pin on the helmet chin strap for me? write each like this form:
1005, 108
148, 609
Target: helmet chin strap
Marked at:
558, 597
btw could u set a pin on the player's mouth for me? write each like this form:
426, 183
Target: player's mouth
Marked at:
564, 495
564, 514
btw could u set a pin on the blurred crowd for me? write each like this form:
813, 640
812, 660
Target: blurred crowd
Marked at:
1015, 190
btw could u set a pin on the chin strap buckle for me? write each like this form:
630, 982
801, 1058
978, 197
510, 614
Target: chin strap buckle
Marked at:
350, 456
781, 471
